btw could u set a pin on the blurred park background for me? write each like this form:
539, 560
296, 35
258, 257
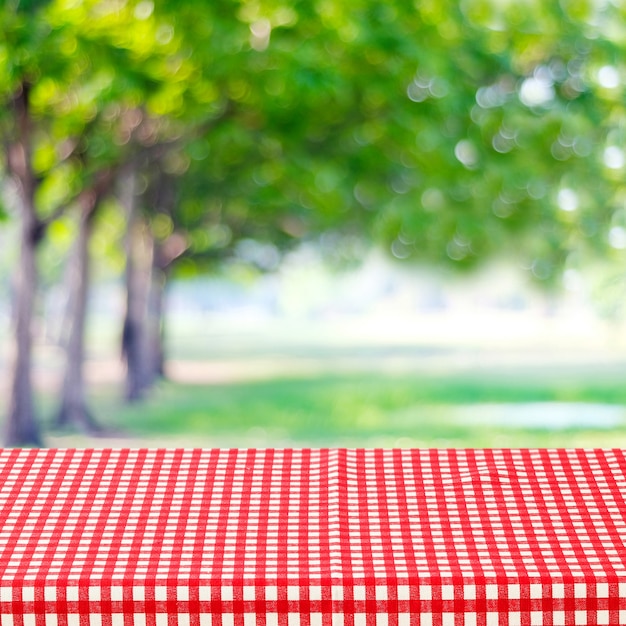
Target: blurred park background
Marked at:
318, 223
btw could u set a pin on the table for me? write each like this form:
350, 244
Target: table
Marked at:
310, 537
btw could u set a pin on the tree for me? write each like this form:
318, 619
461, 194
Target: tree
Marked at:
24, 41
152, 246
448, 132
141, 335
21, 425
73, 87
73, 410
138, 51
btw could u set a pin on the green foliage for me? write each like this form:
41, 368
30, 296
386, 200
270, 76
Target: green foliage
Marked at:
446, 131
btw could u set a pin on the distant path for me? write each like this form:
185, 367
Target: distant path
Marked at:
302, 362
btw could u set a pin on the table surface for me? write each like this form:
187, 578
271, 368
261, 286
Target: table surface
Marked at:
312, 537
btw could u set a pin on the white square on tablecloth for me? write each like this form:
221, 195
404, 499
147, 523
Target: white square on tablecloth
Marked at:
293, 619
228, 619
117, 594
381, 592
206, 620
447, 619
161, 619
182, 593
315, 592
315, 619
469, 592
426, 619
249, 592
382, 619
602, 590
580, 590
536, 590
182, 619
359, 592
28, 594
72, 595
558, 618
227, 593
139, 619
404, 592
139, 593
95, 619
426, 593
515, 618
536, 618
271, 592
50, 594
558, 590
447, 592
338, 619
293, 592
469, 619
493, 619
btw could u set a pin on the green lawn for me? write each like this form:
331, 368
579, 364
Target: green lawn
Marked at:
303, 387
365, 409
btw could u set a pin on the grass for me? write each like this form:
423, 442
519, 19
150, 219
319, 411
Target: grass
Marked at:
363, 410
302, 386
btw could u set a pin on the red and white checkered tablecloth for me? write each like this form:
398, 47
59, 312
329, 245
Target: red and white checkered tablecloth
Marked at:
312, 537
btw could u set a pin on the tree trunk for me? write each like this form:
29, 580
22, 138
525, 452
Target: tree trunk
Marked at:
164, 252
140, 326
21, 428
147, 265
138, 278
156, 320
73, 410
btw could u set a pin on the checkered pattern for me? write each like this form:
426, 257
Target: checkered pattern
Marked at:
312, 537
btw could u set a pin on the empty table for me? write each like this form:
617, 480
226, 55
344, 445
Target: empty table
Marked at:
312, 537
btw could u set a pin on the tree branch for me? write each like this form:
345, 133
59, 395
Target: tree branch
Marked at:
158, 150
